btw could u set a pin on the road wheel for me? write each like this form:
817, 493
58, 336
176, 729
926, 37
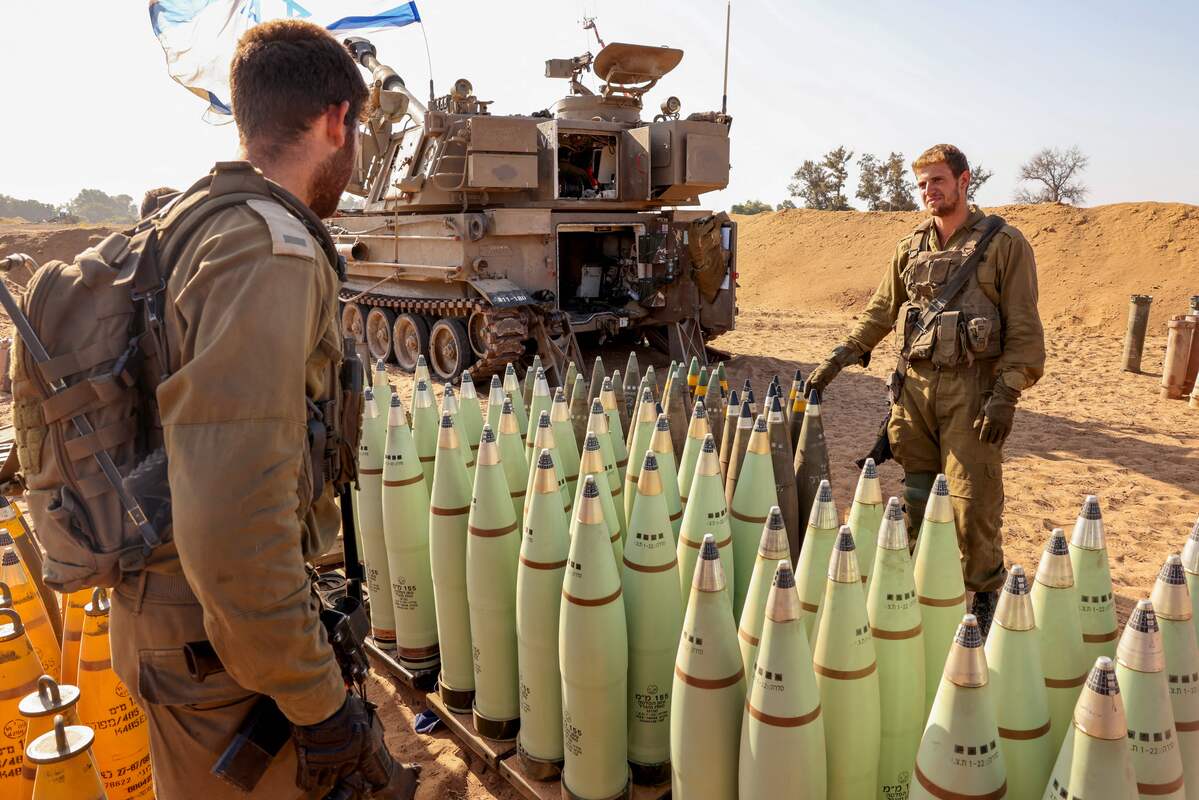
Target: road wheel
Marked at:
379, 322
353, 322
449, 349
476, 329
409, 339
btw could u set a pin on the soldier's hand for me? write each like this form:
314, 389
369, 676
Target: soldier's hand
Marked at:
843, 355
994, 421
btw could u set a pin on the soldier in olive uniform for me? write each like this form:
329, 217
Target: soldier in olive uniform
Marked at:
252, 330
966, 372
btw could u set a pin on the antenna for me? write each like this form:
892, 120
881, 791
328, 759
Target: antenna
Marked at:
429, 59
728, 19
589, 25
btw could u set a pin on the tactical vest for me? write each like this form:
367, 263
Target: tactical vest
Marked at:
101, 321
970, 327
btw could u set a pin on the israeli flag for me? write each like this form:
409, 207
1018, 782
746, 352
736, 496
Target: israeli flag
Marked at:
198, 37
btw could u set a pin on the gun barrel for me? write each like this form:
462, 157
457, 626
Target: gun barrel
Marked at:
365, 54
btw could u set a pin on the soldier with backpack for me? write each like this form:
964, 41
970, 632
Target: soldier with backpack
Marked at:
211, 379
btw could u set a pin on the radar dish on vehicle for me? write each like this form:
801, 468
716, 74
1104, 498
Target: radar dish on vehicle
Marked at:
622, 63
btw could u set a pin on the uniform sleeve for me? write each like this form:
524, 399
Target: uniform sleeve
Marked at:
1023, 360
234, 423
879, 317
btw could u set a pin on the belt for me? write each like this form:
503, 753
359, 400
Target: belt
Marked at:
157, 587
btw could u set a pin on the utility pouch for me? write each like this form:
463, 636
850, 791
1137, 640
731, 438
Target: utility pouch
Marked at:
947, 350
978, 333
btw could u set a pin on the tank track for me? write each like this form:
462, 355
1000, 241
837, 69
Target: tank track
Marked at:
503, 330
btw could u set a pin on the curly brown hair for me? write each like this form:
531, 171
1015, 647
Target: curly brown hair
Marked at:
943, 154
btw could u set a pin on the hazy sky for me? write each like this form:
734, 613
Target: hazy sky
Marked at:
88, 102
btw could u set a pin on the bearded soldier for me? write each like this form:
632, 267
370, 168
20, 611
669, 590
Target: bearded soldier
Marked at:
969, 347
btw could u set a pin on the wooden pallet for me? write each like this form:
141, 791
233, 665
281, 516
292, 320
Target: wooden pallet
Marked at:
513, 771
462, 726
386, 662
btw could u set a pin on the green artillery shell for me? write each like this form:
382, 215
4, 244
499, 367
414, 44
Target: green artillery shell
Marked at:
539, 400
1152, 740
640, 435
596, 384
1100, 763
654, 617
705, 513
789, 403
1093, 581
865, 517
811, 465
744, 429
799, 406
630, 434
939, 585
526, 385
782, 732
424, 429
513, 392
782, 459
700, 390
724, 380
1018, 688
450, 404
492, 554
368, 503
544, 439
714, 404
632, 371
380, 385
693, 374
668, 382
708, 692
894, 616
607, 400
676, 404
752, 500
622, 408
592, 463
495, 402
512, 455
728, 432
772, 550
652, 378
1174, 616
543, 551
564, 440
1059, 776
662, 447
449, 506
420, 372
1190, 565
959, 753
811, 572
407, 537
847, 674
597, 423
1059, 628
594, 660
696, 431
470, 414
572, 372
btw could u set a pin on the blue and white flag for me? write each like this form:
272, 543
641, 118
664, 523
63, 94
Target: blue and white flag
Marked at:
199, 36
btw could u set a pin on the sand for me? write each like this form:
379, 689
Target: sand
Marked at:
1085, 428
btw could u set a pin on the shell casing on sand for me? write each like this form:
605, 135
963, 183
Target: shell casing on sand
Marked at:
1093, 582
597, 423
39, 709
66, 769
20, 671
1059, 630
425, 421
1174, 617
846, 669
12, 523
1017, 679
596, 384
939, 585
593, 654
122, 744
608, 402
640, 435
653, 608
732, 411
753, 498
72, 630
580, 409
543, 552
697, 429
1152, 739
708, 691
544, 438
811, 573
592, 463
959, 753
782, 731
772, 550
492, 555
811, 466
663, 448
741, 434
865, 517
511, 444
894, 615
540, 400
1190, 566
675, 403
1095, 758
564, 441
782, 460
449, 509
406, 535
23, 597
513, 391
705, 513
470, 414
368, 507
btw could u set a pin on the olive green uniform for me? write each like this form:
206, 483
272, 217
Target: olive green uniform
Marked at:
252, 328
932, 427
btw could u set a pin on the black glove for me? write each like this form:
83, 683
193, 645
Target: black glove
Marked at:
994, 421
843, 355
346, 748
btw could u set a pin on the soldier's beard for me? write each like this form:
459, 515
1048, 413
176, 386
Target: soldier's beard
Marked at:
946, 206
330, 179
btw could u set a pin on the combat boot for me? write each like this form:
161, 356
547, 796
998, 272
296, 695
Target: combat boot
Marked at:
983, 608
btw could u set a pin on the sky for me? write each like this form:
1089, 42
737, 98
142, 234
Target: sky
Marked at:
89, 103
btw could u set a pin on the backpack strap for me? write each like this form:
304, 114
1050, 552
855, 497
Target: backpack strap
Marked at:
919, 240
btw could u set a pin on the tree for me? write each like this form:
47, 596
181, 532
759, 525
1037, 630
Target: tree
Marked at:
835, 165
93, 205
870, 182
897, 189
978, 176
811, 184
783, 206
750, 207
28, 210
1057, 171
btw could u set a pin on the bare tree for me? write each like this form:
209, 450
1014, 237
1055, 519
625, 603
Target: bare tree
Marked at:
978, 176
1057, 173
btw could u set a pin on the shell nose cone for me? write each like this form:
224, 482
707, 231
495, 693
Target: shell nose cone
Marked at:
843, 564
1170, 597
967, 662
1140, 646
1099, 712
1015, 611
709, 574
1088, 528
